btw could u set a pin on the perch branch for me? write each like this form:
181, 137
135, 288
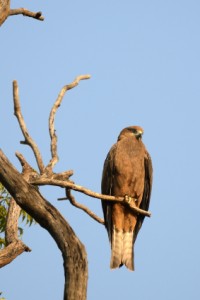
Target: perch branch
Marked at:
54, 109
27, 13
28, 140
72, 200
78, 188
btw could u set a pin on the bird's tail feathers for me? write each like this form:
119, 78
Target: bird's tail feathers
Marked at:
128, 254
117, 248
122, 249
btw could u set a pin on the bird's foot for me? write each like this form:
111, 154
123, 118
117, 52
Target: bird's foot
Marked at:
128, 199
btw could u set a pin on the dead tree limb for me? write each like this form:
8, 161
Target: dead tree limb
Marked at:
5, 12
26, 13
28, 140
9, 253
14, 247
54, 109
72, 200
11, 233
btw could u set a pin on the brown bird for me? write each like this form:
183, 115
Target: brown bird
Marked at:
127, 172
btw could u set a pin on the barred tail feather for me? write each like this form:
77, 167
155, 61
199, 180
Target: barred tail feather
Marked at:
122, 249
117, 247
128, 255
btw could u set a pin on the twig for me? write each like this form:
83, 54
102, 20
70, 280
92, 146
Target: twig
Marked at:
75, 187
72, 200
28, 140
27, 13
63, 175
54, 109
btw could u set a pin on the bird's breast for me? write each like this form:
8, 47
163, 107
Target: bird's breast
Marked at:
128, 170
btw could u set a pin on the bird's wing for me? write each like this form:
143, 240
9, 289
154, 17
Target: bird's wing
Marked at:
147, 192
106, 188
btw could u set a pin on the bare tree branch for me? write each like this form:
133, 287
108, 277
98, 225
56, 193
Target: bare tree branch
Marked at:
11, 233
9, 253
14, 247
28, 140
5, 12
26, 168
83, 207
27, 13
63, 175
67, 184
54, 109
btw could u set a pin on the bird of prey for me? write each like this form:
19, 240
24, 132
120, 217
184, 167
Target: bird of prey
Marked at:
127, 172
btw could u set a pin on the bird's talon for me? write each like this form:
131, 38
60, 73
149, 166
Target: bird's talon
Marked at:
128, 199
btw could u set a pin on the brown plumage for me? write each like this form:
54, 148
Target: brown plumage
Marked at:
127, 171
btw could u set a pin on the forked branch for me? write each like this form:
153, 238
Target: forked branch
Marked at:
28, 139
54, 109
72, 200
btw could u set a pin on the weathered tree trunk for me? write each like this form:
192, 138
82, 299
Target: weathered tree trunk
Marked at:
4, 10
73, 251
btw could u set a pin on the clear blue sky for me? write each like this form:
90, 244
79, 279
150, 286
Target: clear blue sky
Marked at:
144, 60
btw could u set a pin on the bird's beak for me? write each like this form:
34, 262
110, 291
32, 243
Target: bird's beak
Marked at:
139, 134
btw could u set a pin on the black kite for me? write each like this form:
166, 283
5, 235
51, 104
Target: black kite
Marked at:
127, 172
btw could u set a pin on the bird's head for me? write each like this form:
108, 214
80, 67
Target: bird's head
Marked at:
131, 131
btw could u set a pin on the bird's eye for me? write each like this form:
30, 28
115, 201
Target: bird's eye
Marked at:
134, 131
